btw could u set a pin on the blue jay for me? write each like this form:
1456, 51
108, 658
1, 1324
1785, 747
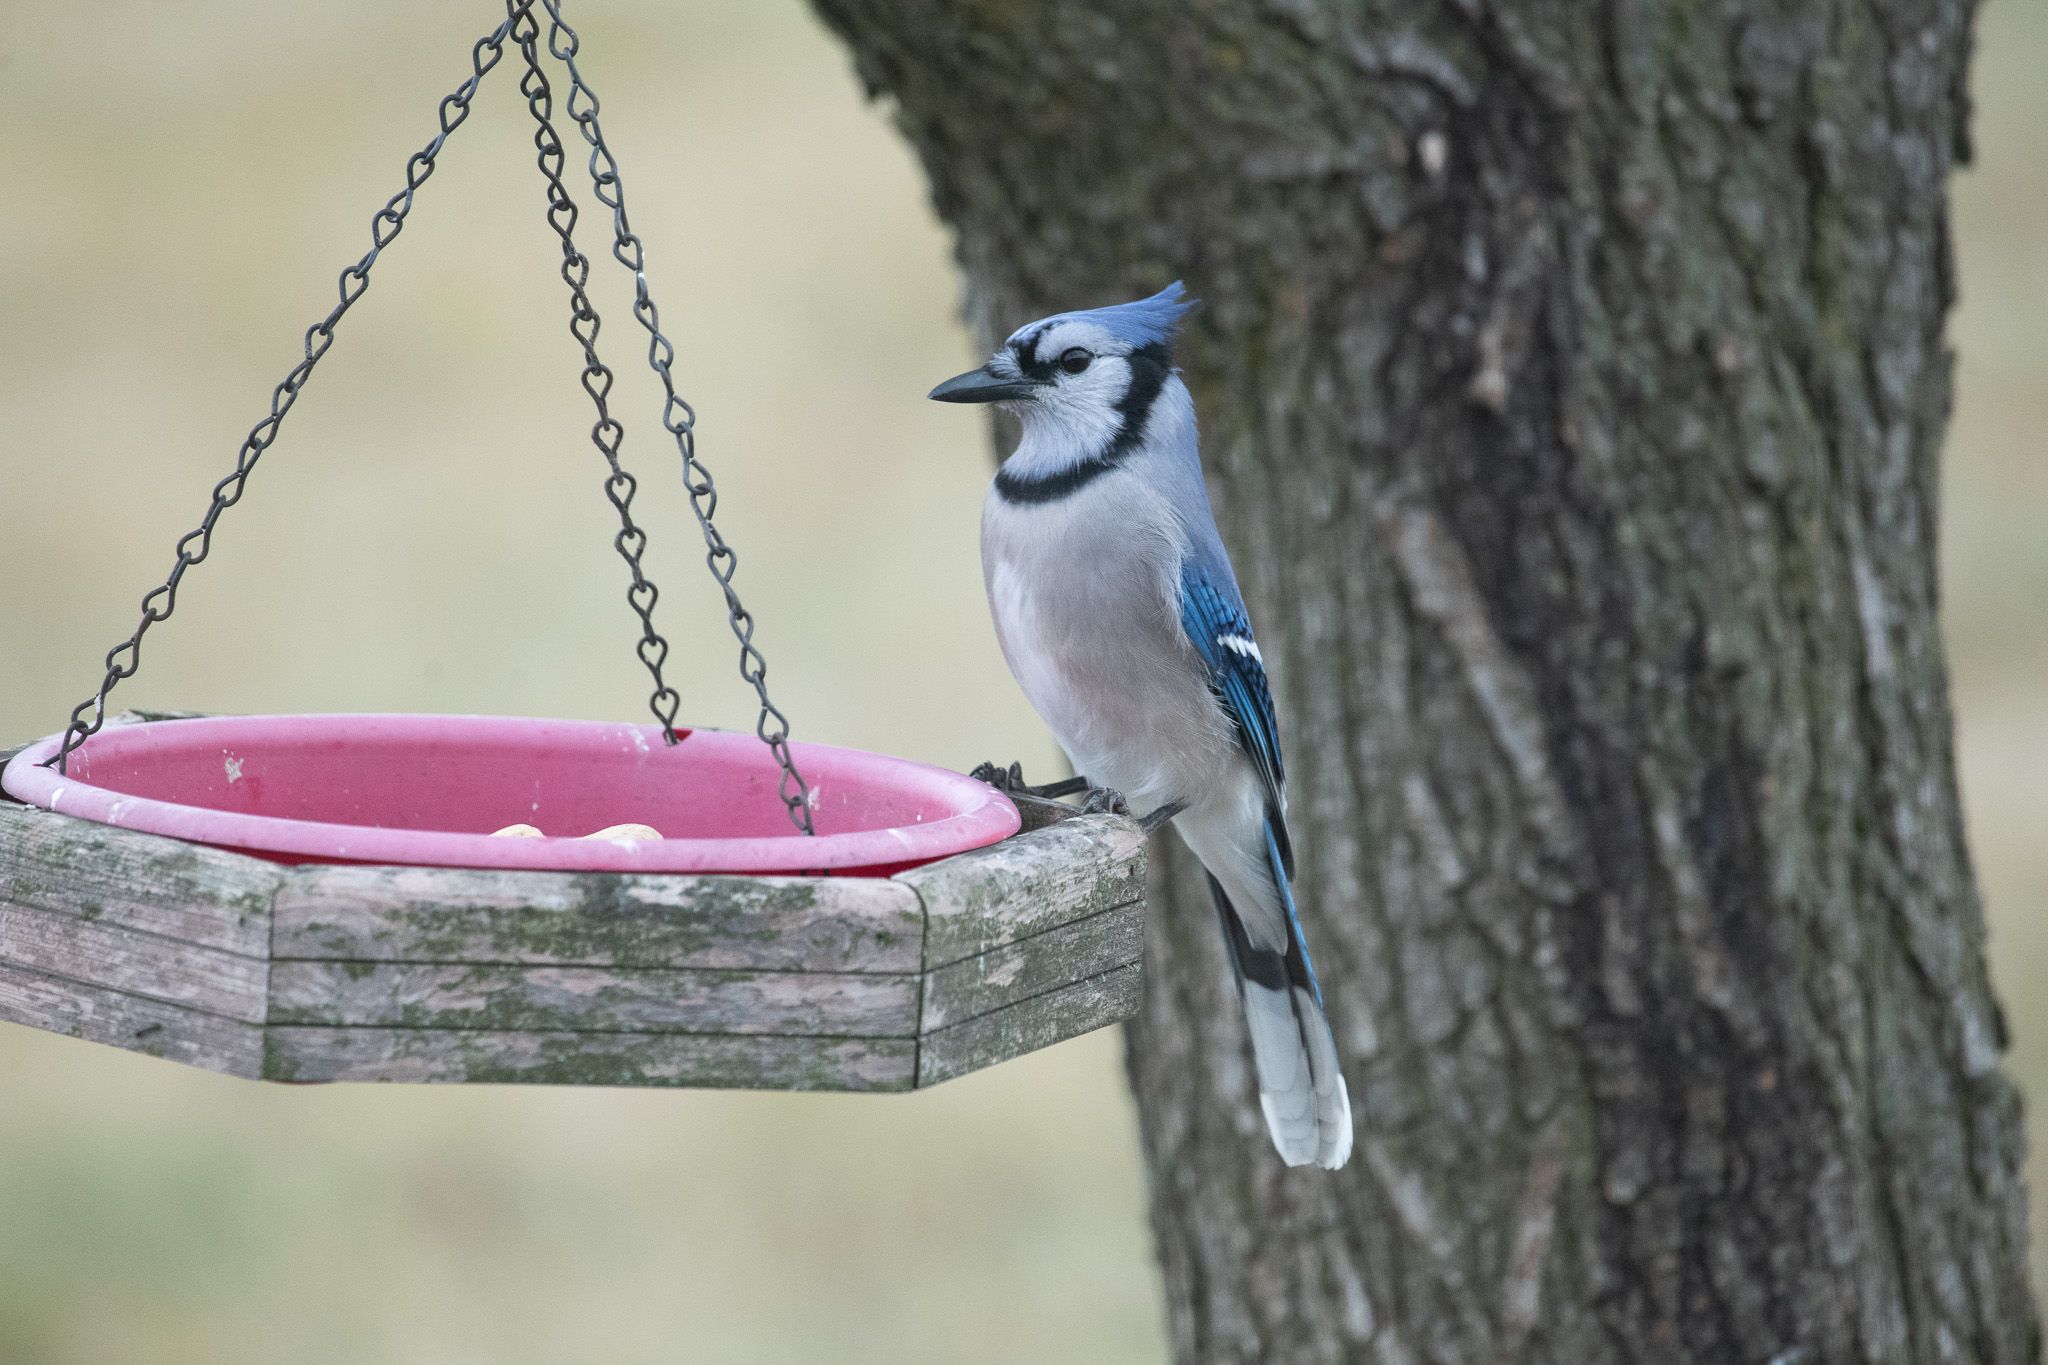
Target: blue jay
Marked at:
1119, 615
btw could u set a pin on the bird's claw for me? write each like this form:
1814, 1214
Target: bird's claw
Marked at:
1105, 801
1005, 780
1010, 782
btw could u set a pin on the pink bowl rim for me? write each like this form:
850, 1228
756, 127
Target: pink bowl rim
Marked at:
981, 814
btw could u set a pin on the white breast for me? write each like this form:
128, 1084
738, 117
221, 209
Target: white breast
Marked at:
1031, 653
1080, 595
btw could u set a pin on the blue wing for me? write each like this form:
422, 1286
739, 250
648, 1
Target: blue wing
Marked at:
1213, 615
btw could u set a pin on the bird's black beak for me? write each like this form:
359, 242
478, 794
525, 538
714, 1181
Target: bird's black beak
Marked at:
979, 386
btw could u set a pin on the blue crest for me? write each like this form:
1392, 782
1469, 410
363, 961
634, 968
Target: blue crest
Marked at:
1139, 323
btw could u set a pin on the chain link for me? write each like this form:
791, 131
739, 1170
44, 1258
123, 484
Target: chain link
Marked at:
677, 416
606, 435
123, 659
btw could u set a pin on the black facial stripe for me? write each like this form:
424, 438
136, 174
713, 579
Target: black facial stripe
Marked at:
1149, 367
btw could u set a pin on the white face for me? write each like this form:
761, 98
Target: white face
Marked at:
1084, 374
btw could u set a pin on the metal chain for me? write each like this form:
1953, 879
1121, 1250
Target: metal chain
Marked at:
606, 435
193, 547
677, 416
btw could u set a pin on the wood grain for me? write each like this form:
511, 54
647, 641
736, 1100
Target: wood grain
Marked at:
137, 881
99, 1015
722, 1061
991, 896
425, 914
1017, 971
627, 1000
145, 965
1030, 1025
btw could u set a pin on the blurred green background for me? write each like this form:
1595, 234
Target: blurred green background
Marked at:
430, 535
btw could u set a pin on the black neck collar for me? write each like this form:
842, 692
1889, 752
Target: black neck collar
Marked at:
1029, 488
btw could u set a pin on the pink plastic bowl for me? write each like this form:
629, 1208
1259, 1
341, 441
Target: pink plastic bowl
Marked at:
428, 790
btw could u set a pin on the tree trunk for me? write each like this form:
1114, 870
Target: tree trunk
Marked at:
1571, 379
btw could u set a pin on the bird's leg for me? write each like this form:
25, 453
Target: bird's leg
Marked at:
1153, 821
1010, 781
1066, 786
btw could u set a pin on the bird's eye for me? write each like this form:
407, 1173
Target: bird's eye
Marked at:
1074, 360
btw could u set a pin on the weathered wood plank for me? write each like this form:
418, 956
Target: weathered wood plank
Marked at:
991, 896
99, 1015
102, 954
139, 881
1030, 1025
717, 1061
1044, 962
423, 995
425, 914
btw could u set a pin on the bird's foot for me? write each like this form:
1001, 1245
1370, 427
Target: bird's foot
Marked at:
1010, 781
1099, 800
1105, 801
1110, 801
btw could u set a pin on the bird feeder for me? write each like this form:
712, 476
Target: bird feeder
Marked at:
326, 898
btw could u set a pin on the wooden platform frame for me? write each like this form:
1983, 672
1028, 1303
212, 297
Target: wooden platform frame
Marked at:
358, 973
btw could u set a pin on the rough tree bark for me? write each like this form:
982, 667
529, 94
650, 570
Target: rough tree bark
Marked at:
1571, 380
